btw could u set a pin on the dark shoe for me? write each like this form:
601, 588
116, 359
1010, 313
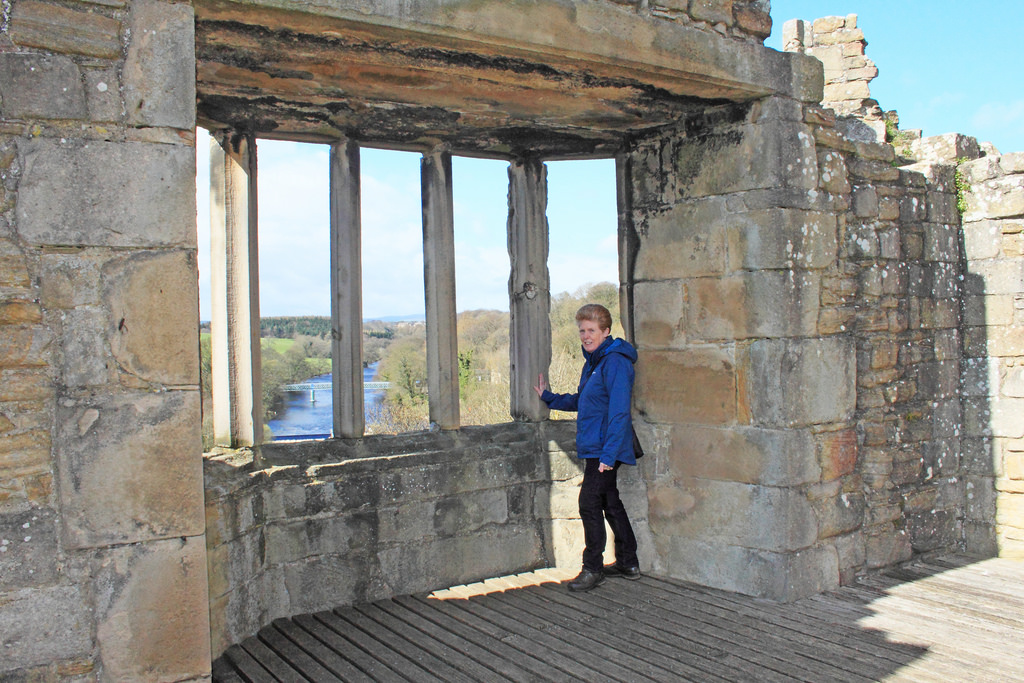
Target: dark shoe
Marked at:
631, 573
586, 580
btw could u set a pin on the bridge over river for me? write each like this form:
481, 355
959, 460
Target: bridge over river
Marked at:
313, 387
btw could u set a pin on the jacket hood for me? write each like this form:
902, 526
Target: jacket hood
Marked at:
609, 346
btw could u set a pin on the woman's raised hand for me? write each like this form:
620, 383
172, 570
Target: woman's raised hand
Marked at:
541, 385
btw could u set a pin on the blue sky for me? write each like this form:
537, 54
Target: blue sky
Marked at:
944, 65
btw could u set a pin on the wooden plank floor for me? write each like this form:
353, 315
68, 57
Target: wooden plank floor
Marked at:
946, 620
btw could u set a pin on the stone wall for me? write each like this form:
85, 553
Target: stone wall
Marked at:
102, 555
839, 44
993, 379
309, 526
897, 288
748, 396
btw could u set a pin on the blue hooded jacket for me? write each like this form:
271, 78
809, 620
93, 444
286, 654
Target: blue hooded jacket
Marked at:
604, 425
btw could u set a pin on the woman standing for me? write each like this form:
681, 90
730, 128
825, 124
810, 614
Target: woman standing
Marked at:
604, 440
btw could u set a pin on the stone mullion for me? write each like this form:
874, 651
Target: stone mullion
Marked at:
236, 376
529, 286
346, 291
439, 288
628, 242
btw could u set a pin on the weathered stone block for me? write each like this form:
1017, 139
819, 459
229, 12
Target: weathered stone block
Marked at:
781, 239
837, 453
315, 582
789, 383
941, 242
981, 377
839, 514
347, 535
995, 276
712, 11
687, 240
159, 79
103, 95
86, 351
72, 193
753, 304
847, 90
129, 467
25, 384
695, 385
987, 310
751, 516
40, 86
470, 512
948, 148
865, 201
459, 559
776, 576
43, 626
25, 345
153, 303
754, 21
745, 455
872, 170
62, 29
152, 610
658, 314
884, 549
28, 541
772, 155
998, 198
832, 172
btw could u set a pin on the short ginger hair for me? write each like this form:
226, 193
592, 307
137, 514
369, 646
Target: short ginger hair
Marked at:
595, 313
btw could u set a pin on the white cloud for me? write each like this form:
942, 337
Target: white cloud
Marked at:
1001, 123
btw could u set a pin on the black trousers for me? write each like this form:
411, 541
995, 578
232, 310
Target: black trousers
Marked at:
599, 500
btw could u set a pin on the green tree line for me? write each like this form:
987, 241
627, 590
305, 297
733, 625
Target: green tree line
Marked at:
400, 348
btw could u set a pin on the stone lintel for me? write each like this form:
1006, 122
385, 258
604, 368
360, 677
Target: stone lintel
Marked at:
474, 72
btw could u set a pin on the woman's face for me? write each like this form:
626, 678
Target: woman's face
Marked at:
591, 335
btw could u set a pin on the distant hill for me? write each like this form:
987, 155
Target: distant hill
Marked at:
288, 326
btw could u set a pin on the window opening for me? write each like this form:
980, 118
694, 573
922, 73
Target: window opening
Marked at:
394, 327
583, 258
295, 303
481, 273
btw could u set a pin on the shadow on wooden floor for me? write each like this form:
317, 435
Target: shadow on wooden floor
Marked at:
945, 619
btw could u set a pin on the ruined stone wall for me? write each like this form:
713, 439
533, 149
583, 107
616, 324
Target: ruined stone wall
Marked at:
839, 44
746, 19
897, 288
993, 379
310, 526
102, 556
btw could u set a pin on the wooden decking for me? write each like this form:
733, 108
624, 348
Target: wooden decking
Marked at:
946, 620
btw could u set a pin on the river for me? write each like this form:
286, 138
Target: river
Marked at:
301, 419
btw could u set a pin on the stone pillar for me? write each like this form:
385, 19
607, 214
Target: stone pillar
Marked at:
346, 292
235, 321
735, 378
439, 288
528, 286
628, 240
